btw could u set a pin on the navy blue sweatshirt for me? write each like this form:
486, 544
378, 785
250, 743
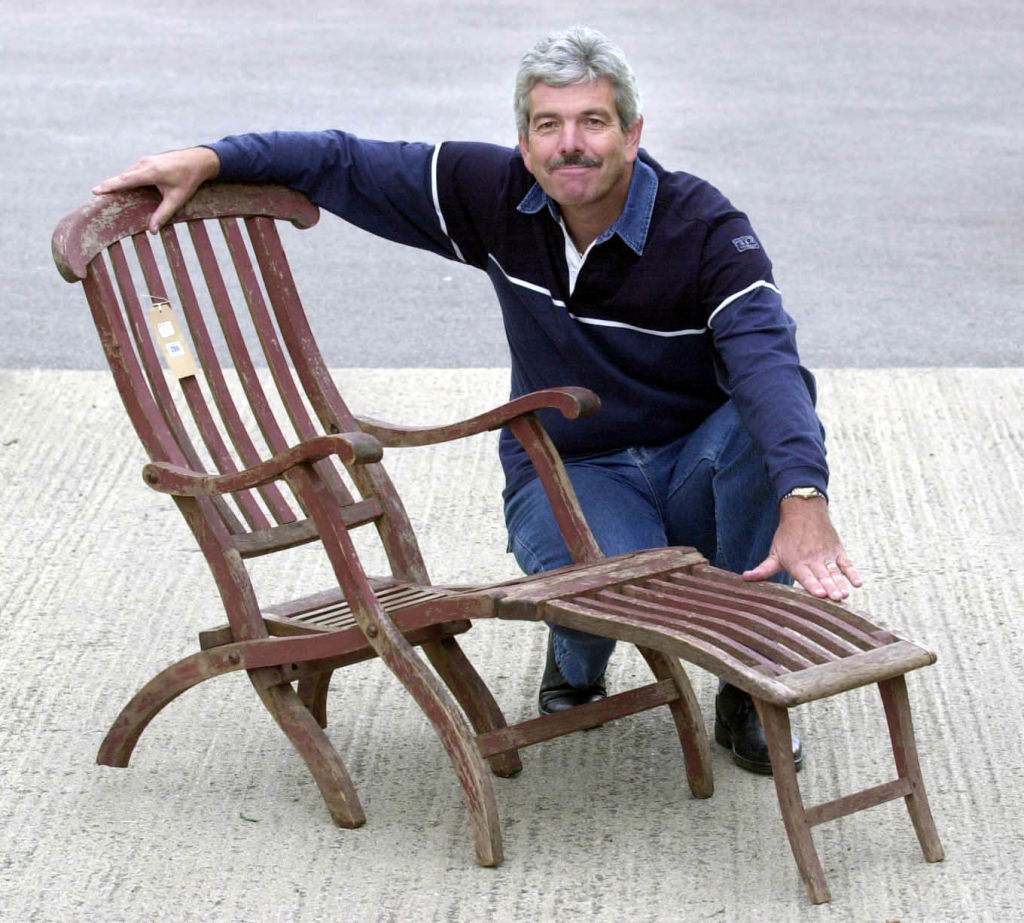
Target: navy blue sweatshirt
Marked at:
674, 310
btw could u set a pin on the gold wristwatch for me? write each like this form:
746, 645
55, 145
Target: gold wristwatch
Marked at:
806, 493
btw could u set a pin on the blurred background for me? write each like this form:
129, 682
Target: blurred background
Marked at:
875, 146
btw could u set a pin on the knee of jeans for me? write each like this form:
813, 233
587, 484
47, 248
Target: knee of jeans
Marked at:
530, 562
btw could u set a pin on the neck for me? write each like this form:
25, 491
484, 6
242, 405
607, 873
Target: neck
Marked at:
585, 229
586, 223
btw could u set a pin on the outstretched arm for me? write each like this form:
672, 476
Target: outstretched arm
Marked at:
177, 174
807, 545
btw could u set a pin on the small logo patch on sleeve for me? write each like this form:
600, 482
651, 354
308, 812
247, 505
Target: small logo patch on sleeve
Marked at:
746, 243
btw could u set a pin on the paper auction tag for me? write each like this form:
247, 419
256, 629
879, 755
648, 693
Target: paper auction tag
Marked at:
172, 342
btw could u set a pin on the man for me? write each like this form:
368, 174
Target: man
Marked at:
612, 273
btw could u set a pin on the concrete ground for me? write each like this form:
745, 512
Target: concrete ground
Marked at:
216, 818
877, 149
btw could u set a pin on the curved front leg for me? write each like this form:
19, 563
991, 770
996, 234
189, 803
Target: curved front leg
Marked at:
319, 754
160, 691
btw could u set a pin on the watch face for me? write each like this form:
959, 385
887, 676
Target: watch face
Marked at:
805, 492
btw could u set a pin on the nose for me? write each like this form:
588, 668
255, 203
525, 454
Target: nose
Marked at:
570, 139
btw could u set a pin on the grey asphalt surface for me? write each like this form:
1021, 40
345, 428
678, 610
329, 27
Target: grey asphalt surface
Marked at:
876, 147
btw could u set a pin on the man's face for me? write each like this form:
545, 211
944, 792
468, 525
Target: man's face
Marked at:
576, 148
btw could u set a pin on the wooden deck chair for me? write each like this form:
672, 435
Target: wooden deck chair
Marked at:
207, 334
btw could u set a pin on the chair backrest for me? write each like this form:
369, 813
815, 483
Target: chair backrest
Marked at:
244, 378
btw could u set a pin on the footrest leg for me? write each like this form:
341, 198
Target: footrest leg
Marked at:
775, 721
904, 748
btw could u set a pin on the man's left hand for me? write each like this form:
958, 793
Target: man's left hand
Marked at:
807, 545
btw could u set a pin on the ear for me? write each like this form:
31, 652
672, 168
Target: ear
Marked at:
633, 139
524, 149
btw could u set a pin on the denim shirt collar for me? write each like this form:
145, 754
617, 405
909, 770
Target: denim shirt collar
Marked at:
631, 226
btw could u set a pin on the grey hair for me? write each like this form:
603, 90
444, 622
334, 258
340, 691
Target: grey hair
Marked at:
577, 55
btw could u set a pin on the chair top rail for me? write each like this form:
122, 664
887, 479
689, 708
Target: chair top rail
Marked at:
94, 226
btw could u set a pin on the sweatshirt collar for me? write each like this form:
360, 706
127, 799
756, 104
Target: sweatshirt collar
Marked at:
634, 222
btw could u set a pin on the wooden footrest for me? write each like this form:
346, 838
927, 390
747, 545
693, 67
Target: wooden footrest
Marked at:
777, 643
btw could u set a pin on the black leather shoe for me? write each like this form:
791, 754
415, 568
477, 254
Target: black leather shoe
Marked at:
555, 692
738, 728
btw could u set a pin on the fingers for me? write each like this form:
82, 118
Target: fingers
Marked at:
141, 173
826, 577
819, 581
769, 567
847, 567
176, 174
831, 578
172, 200
146, 172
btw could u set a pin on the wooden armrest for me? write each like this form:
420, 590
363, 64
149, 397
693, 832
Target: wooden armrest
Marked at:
572, 402
351, 448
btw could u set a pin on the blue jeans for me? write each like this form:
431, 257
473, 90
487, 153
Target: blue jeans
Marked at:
709, 490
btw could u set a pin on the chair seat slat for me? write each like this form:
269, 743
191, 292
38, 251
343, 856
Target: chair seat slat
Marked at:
754, 614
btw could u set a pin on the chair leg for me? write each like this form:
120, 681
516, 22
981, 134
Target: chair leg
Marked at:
314, 747
160, 691
472, 693
904, 747
693, 736
313, 693
775, 721
443, 713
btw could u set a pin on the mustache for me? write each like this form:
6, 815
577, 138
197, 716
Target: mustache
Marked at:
574, 160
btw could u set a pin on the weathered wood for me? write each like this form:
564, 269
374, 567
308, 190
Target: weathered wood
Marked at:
316, 750
775, 721
250, 489
882, 663
573, 403
97, 225
904, 748
689, 725
521, 597
858, 801
472, 694
352, 448
561, 494
291, 534
590, 715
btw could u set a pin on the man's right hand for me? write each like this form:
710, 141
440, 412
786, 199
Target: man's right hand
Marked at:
177, 174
